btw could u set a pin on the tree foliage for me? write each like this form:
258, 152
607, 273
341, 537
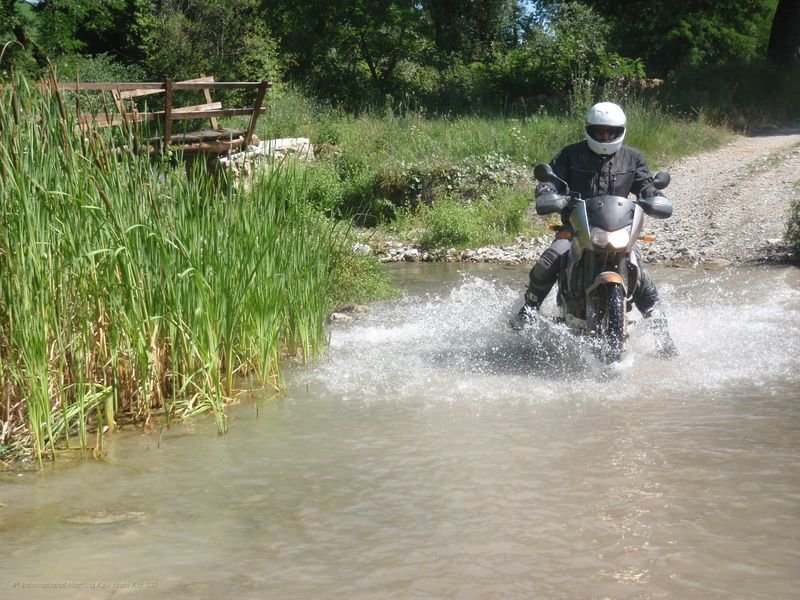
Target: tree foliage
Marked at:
447, 54
18, 45
687, 33
352, 50
182, 38
784, 39
78, 26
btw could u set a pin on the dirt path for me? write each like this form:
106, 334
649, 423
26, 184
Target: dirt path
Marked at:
731, 204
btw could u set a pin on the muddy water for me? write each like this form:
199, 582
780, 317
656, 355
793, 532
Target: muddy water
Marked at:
434, 454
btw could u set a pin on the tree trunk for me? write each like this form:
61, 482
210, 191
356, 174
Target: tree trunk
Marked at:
784, 39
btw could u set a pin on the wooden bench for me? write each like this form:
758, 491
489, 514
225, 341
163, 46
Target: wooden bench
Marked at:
215, 140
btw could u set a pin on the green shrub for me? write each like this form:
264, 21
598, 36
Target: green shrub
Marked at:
506, 213
360, 278
450, 224
496, 217
328, 131
100, 67
793, 226
324, 187
290, 113
359, 202
663, 136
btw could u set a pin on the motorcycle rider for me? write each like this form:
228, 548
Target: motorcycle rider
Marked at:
598, 165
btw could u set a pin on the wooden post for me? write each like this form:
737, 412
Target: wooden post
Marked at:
207, 95
262, 90
167, 112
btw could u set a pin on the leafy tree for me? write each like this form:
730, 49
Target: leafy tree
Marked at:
349, 51
784, 39
567, 55
17, 32
469, 29
224, 38
86, 26
680, 33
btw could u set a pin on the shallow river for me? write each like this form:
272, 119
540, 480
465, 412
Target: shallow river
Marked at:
435, 454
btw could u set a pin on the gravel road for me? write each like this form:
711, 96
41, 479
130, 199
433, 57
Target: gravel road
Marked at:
731, 206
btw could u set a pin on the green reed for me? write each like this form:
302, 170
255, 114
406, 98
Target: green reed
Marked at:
130, 291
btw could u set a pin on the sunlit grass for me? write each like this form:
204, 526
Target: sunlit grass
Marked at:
390, 168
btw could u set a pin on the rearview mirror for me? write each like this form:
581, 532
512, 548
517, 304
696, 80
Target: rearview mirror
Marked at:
543, 172
661, 180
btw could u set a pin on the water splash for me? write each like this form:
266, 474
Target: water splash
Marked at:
731, 327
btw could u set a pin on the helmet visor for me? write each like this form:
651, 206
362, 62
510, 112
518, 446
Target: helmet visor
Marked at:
604, 133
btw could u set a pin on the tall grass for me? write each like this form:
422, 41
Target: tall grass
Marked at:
130, 291
458, 180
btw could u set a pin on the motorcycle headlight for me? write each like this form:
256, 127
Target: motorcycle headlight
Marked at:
616, 239
599, 237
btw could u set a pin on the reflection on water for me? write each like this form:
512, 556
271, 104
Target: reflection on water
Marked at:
433, 453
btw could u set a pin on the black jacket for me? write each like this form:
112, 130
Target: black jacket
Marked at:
619, 174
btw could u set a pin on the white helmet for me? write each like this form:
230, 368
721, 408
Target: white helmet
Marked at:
605, 114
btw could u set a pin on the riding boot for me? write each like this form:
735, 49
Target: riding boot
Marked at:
646, 300
541, 280
529, 311
657, 323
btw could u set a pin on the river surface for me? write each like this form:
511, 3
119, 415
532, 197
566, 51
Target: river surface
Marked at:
435, 454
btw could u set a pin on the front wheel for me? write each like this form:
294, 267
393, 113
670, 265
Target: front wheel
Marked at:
610, 325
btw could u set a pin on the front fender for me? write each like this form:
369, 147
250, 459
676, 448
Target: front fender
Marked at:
606, 278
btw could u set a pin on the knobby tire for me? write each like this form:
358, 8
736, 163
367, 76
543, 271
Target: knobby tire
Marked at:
611, 331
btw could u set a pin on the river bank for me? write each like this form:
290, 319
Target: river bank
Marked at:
731, 206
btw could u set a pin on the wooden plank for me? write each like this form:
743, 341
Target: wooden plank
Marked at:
109, 87
126, 94
101, 120
257, 110
201, 108
167, 112
207, 114
208, 135
220, 85
160, 86
202, 79
181, 115
219, 147
207, 95
178, 114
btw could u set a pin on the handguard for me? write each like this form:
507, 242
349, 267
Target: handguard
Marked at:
550, 202
658, 207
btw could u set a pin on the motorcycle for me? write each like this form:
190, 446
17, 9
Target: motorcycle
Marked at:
599, 274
